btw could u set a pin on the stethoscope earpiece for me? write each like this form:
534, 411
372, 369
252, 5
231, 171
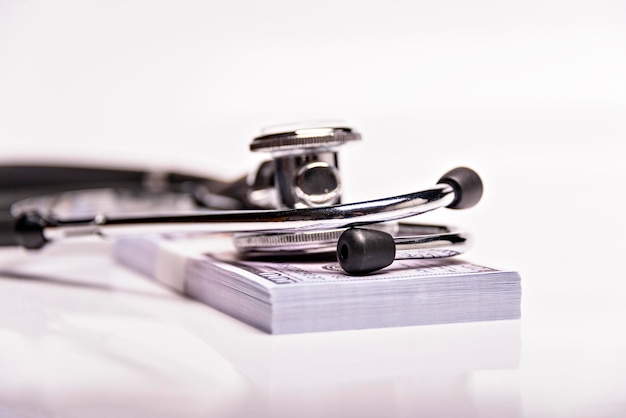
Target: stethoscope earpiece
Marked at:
468, 187
362, 251
365, 250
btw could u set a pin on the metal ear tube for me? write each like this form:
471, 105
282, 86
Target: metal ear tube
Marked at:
37, 229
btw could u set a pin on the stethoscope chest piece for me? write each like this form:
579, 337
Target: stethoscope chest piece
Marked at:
304, 170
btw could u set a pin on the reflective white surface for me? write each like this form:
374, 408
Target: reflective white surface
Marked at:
94, 337
530, 94
81, 336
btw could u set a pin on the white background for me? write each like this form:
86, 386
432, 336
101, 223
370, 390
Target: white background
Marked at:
531, 94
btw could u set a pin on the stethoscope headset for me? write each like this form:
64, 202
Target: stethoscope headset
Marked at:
290, 205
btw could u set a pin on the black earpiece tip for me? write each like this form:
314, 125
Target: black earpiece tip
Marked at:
467, 185
362, 251
29, 231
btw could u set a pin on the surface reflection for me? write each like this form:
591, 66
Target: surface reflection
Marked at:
116, 349
439, 370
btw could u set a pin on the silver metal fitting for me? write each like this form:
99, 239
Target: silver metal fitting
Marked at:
304, 171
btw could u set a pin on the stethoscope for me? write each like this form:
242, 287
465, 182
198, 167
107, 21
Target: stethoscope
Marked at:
290, 206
